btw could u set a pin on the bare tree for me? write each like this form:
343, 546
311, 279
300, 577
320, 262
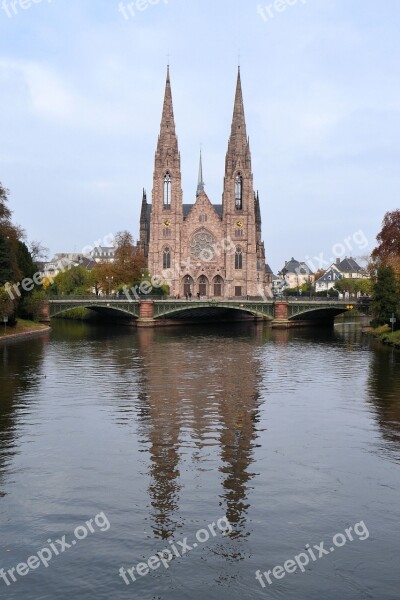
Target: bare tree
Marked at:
38, 252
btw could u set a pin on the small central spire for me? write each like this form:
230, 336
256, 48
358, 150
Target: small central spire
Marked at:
200, 183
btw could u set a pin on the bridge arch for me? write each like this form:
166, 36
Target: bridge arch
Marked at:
121, 312
200, 309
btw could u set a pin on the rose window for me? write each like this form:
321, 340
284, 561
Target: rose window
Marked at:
202, 245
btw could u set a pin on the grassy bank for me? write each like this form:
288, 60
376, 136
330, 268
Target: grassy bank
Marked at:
386, 336
21, 327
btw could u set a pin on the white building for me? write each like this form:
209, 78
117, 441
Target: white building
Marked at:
347, 268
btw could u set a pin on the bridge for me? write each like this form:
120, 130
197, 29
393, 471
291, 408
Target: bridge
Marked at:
151, 312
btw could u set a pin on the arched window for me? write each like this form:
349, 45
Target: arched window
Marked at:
167, 258
203, 285
239, 192
188, 286
238, 258
218, 282
167, 190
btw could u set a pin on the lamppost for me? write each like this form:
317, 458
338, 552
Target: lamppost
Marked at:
110, 280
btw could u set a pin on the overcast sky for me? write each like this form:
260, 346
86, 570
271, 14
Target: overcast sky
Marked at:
81, 89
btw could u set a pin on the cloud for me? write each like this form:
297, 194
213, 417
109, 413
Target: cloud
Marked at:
44, 91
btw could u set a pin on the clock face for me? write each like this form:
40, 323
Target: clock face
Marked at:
167, 223
239, 223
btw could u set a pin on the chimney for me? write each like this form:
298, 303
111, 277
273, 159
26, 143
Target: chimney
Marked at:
338, 261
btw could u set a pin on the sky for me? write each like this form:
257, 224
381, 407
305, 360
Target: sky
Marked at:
81, 92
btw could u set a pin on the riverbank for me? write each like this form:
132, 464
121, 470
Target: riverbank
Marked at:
22, 329
385, 335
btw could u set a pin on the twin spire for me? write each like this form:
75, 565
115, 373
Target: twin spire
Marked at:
167, 140
200, 183
238, 147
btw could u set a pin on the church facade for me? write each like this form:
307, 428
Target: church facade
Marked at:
204, 249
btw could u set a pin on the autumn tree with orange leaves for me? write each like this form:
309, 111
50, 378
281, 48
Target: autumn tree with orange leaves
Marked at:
388, 250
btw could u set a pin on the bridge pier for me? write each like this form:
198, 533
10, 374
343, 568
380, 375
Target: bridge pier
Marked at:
281, 314
146, 314
45, 312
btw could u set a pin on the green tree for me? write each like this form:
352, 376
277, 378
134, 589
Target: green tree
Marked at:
354, 286
31, 306
6, 263
385, 296
6, 304
75, 281
25, 263
5, 212
10, 236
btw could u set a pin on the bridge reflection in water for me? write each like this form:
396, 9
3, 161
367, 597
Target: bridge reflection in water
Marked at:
152, 312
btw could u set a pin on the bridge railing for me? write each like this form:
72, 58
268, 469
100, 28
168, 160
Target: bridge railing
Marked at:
363, 301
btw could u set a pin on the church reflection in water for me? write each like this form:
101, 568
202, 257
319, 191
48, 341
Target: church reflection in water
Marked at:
200, 425
383, 387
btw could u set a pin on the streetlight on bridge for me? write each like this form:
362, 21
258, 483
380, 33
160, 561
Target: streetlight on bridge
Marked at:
110, 280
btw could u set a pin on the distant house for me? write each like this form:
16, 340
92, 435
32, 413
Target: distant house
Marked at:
278, 285
328, 280
103, 254
63, 262
347, 268
295, 274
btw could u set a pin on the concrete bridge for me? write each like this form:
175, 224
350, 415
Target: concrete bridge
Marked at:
154, 312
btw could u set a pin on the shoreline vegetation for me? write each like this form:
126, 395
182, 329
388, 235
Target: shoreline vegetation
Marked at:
385, 335
21, 329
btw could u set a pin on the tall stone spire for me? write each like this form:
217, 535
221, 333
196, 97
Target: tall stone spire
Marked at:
238, 147
166, 197
167, 140
200, 183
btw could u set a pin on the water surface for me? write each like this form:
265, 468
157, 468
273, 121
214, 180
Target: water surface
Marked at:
293, 436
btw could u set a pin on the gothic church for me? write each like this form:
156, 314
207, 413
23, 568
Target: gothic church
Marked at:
204, 249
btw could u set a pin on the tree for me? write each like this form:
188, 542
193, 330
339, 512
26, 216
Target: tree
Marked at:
10, 236
76, 280
6, 262
25, 262
102, 277
388, 250
38, 252
5, 212
386, 300
319, 274
32, 305
354, 286
6, 304
129, 261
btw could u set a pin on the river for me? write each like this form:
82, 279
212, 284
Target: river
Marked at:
238, 448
